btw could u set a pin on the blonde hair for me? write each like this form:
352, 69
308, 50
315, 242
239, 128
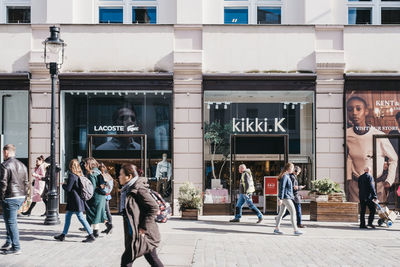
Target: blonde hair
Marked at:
91, 163
75, 167
287, 167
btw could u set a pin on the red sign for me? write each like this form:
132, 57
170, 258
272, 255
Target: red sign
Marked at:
270, 186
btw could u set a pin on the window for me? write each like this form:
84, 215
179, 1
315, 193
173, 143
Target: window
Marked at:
144, 15
269, 15
374, 12
18, 14
236, 15
110, 15
253, 11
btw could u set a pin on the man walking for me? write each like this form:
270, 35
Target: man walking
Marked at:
13, 191
366, 194
246, 189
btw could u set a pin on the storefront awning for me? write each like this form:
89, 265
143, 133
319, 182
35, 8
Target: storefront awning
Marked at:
372, 81
14, 81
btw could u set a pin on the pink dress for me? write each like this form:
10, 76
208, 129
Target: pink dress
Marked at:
39, 185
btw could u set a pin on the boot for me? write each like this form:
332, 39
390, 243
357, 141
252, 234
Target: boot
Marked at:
89, 239
256, 212
108, 230
60, 237
96, 233
28, 212
236, 212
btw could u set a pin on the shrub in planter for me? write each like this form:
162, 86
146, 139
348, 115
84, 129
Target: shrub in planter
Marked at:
189, 201
328, 188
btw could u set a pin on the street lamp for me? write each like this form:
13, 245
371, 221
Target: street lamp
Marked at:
53, 58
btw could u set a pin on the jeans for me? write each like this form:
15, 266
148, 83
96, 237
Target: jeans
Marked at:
246, 198
10, 210
82, 219
297, 206
372, 210
286, 203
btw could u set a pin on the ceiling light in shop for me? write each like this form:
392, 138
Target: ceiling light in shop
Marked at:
105, 93
95, 93
208, 106
225, 106
293, 106
155, 93
86, 93
136, 93
113, 93
162, 93
216, 106
126, 93
284, 106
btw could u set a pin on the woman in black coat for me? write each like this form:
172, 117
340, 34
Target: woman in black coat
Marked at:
75, 204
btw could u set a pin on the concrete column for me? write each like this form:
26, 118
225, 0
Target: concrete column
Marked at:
188, 134
329, 104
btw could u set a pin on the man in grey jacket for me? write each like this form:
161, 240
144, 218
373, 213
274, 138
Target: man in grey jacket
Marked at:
246, 190
14, 185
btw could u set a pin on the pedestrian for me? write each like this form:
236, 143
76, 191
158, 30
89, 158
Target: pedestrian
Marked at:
246, 190
285, 198
39, 184
75, 204
109, 184
139, 210
367, 197
96, 206
14, 184
296, 195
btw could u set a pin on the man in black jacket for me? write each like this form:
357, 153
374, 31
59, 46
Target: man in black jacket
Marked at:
13, 191
367, 197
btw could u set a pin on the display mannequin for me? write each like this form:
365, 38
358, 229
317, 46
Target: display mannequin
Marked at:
164, 168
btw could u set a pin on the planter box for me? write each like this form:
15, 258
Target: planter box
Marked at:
217, 209
190, 214
336, 197
334, 211
320, 198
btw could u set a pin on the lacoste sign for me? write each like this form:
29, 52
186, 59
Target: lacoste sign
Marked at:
113, 128
247, 125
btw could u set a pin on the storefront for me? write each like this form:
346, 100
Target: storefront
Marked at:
372, 107
119, 119
14, 94
261, 121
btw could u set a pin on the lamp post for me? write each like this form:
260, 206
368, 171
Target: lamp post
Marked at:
53, 58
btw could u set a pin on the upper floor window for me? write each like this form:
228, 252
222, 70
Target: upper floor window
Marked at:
253, 11
374, 12
128, 11
144, 15
18, 14
110, 15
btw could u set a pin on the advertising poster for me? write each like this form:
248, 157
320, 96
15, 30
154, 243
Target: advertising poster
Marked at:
372, 113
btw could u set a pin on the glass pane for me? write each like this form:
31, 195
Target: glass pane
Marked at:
360, 15
390, 16
236, 15
144, 15
268, 15
110, 15
360, 0
18, 14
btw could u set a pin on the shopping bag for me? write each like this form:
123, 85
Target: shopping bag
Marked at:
398, 191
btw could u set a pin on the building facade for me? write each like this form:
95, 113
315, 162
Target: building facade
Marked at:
157, 95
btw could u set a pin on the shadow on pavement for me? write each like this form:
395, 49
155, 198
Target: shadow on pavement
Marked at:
29, 235
220, 231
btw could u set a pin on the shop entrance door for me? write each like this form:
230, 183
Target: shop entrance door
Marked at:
264, 155
386, 175
116, 149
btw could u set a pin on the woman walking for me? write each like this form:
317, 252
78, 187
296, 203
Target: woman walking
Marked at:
139, 210
109, 184
75, 204
96, 206
38, 185
285, 198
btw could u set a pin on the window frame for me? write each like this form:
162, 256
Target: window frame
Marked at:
10, 3
376, 6
252, 7
127, 6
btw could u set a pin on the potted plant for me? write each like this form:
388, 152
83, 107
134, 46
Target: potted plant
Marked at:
324, 190
189, 201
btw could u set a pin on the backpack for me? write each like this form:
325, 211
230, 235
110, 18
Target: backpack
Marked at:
87, 188
164, 207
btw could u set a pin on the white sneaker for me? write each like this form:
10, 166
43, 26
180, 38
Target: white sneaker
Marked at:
278, 232
298, 232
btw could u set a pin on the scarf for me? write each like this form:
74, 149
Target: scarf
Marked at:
125, 190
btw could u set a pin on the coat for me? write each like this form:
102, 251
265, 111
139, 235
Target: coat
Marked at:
246, 183
72, 189
96, 206
366, 187
14, 180
39, 184
140, 212
296, 196
285, 188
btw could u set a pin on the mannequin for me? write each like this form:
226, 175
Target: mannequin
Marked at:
164, 168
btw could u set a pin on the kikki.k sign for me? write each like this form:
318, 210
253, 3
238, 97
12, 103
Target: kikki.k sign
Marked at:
247, 125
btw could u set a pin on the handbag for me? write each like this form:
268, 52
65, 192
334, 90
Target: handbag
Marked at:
398, 191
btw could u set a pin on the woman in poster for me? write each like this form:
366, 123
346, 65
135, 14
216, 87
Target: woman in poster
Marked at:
360, 151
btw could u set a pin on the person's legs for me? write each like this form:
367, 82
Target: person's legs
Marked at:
372, 210
13, 207
68, 215
298, 212
363, 207
253, 207
28, 212
6, 216
153, 259
282, 210
286, 213
109, 217
84, 222
290, 206
239, 206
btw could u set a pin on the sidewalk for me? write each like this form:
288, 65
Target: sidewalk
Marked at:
212, 241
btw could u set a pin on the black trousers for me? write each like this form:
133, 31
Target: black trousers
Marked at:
151, 257
372, 209
108, 212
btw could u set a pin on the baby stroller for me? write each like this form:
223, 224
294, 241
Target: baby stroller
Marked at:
386, 216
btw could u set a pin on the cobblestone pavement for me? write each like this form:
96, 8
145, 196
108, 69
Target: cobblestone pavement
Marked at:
212, 241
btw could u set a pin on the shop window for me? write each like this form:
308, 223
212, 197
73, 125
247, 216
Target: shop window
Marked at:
18, 14
268, 15
360, 15
144, 15
110, 15
236, 15
390, 16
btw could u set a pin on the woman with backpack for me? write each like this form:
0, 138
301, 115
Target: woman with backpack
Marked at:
139, 210
96, 206
109, 184
75, 204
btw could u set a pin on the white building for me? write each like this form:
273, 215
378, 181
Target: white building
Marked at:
280, 89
